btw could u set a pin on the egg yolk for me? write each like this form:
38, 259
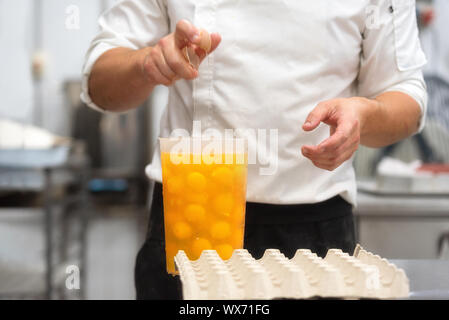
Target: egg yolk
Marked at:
220, 230
196, 181
198, 245
224, 251
174, 185
171, 249
204, 205
195, 213
236, 239
238, 216
170, 217
195, 197
182, 230
223, 204
223, 175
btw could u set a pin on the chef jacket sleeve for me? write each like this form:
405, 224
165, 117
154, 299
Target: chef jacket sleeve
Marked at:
132, 24
392, 58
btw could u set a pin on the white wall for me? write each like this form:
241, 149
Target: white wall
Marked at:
63, 47
16, 90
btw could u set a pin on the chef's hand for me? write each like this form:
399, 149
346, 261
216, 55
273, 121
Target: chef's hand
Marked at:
166, 62
344, 118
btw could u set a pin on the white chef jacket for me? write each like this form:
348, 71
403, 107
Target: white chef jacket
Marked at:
276, 62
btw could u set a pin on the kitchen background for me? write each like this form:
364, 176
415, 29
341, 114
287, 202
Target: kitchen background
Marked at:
73, 194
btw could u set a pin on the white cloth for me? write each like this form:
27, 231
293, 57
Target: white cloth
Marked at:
276, 62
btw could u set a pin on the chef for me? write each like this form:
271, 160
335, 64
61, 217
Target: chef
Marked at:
326, 75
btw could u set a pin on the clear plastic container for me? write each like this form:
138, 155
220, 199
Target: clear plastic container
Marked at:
204, 192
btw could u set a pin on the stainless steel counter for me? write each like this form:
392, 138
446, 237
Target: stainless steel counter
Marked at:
429, 279
372, 204
403, 226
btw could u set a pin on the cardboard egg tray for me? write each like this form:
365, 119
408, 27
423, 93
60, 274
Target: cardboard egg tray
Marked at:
338, 275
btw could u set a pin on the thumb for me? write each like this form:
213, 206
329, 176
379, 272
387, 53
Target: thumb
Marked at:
186, 33
208, 42
320, 113
215, 40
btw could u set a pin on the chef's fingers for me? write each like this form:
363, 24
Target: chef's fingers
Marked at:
320, 152
152, 70
174, 63
332, 160
176, 60
350, 145
318, 114
333, 163
322, 165
186, 33
215, 40
325, 165
163, 66
309, 151
343, 132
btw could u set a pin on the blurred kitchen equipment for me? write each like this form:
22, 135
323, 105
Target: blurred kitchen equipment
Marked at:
438, 111
395, 177
57, 170
443, 246
117, 144
401, 226
403, 217
430, 146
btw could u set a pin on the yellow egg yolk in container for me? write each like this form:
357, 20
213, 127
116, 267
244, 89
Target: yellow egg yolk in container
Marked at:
204, 204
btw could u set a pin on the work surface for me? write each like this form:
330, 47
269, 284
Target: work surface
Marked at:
429, 279
375, 205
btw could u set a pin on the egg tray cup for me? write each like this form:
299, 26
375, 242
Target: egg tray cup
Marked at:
338, 275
